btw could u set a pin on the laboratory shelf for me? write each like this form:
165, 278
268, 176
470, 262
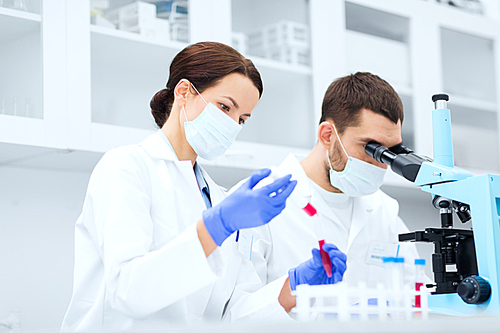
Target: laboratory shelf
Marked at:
125, 35
473, 103
389, 58
122, 49
278, 65
16, 24
32, 130
285, 114
21, 63
126, 71
376, 22
467, 63
28, 156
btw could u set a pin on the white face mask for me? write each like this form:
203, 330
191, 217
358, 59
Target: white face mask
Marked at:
212, 132
358, 178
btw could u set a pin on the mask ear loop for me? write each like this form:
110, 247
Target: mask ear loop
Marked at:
183, 109
338, 137
198, 93
185, 115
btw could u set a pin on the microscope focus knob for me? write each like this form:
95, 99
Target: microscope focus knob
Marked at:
474, 290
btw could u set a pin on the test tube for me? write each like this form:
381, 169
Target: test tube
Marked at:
394, 270
301, 201
419, 279
325, 258
400, 271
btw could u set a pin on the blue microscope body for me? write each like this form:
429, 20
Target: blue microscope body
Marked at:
466, 263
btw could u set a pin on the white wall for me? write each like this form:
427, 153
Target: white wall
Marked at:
38, 210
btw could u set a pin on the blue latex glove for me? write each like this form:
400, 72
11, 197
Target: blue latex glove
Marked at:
248, 208
312, 271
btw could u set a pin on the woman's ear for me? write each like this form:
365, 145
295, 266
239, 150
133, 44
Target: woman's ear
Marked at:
325, 133
181, 92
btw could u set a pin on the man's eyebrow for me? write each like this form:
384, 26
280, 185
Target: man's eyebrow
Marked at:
232, 101
367, 140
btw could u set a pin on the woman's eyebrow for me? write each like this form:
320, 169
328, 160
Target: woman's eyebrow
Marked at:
232, 101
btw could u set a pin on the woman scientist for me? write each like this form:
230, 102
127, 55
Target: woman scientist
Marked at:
147, 244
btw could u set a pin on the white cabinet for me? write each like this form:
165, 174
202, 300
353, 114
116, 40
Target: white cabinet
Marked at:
422, 48
32, 81
73, 87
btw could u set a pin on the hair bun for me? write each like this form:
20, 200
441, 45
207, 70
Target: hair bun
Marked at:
160, 106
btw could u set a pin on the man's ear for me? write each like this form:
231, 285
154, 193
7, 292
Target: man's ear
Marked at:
181, 92
325, 134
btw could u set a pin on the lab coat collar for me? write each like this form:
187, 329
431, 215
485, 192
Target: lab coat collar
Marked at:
156, 147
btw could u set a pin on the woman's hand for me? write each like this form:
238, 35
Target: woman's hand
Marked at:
248, 207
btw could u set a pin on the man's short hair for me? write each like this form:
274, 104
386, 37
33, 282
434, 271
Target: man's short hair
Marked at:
347, 96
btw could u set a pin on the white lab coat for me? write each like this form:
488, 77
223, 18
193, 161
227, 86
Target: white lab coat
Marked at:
139, 264
288, 239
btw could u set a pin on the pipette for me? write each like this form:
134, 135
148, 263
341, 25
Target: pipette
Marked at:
300, 200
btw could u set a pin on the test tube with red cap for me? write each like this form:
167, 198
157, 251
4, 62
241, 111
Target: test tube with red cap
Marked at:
300, 200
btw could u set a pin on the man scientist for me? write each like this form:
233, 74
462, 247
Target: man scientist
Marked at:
342, 182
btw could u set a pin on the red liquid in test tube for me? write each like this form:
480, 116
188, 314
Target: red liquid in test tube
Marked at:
418, 285
419, 279
327, 263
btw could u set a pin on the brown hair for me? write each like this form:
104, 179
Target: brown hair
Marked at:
346, 97
203, 64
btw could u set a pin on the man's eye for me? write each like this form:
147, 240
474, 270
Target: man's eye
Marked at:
224, 107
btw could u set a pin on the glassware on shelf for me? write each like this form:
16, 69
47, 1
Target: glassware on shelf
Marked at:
140, 17
19, 107
284, 41
27, 107
20, 5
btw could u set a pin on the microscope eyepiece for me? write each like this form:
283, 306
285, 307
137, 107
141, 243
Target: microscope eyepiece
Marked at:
440, 97
440, 101
380, 153
401, 159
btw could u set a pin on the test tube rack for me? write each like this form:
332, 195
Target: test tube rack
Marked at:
344, 303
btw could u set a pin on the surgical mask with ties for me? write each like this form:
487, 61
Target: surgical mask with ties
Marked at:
358, 178
212, 132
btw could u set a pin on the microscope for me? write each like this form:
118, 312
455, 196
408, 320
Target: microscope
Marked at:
465, 265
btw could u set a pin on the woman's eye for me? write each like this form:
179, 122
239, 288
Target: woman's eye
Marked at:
224, 107
242, 121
